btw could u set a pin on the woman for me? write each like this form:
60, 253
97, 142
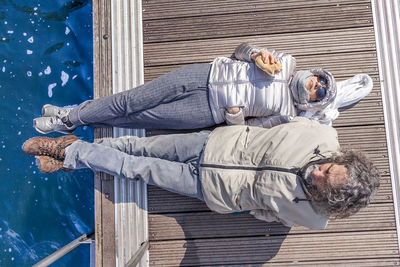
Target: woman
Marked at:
234, 91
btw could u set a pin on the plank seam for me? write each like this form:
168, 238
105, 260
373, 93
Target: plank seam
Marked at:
355, 3
314, 261
255, 34
304, 56
274, 235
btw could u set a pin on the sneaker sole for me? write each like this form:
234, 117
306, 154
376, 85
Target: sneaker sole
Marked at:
46, 132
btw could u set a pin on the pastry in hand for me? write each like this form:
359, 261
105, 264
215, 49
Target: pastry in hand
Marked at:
270, 68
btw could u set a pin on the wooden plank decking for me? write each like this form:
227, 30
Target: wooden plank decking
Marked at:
103, 183
334, 34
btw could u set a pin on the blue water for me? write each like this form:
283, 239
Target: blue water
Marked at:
45, 57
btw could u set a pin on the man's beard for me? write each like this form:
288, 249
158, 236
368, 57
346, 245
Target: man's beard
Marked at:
309, 181
308, 178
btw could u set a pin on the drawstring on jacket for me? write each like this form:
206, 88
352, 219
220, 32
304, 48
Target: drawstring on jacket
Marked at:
317, 153
297, 200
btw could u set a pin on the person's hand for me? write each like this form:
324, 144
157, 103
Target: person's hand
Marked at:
266, 56
233, 110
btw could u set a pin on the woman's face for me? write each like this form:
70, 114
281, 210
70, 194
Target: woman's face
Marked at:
312, 86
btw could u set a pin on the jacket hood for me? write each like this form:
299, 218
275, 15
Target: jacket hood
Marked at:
321, 104
299, 92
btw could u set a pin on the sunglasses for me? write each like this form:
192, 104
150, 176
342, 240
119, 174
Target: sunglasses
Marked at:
321, 92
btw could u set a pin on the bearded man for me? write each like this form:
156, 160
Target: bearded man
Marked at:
294, 173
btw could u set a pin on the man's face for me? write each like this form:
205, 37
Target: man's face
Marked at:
328, 174
312, 86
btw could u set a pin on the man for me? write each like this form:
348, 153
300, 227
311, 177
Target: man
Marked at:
293, 173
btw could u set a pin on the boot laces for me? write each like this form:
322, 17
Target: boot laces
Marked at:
63, 112
50, 149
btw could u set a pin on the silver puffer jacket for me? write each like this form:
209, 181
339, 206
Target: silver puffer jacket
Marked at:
240, 83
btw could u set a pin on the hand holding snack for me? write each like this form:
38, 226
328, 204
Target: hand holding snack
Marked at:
267, 62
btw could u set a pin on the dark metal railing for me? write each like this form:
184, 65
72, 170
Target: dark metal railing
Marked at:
138, 255
83, 239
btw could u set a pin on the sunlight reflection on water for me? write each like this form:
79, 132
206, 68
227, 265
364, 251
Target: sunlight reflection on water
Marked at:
45, 57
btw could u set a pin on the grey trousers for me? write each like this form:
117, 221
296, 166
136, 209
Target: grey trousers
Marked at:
176, 100
167, 161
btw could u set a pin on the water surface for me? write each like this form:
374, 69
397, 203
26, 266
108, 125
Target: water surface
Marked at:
45, 57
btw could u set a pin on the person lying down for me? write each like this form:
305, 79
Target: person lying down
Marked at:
257, 87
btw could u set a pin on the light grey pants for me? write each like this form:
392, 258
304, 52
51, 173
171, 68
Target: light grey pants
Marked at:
167, 161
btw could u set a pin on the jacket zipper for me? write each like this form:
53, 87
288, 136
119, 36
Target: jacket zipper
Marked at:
248, 168
280, 81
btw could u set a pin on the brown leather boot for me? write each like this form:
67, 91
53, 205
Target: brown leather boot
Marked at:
48, 164
46, 146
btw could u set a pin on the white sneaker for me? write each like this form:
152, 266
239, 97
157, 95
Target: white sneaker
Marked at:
46, 125
54, 111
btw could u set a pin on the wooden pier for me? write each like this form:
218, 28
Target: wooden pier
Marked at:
334, 34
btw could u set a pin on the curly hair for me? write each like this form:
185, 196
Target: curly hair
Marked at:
356, 193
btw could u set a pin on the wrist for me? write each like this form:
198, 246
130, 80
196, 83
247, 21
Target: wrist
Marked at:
253, 55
